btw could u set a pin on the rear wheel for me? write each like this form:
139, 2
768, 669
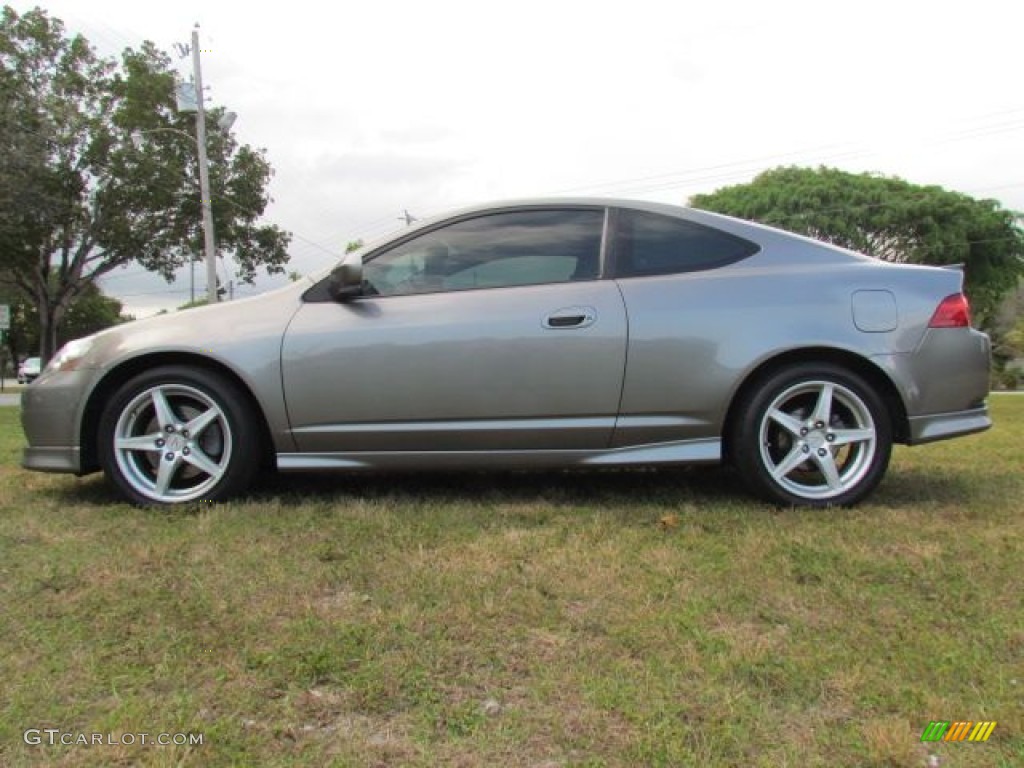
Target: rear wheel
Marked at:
813, 435
175, 434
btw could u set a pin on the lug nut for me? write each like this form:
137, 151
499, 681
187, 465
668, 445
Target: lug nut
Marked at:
819, 424
822, 452
803, 431
830, 437
169, 429
160, 442
169, 456
807, 449
185, 451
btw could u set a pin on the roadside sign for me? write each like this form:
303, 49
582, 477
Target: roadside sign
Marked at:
185, 96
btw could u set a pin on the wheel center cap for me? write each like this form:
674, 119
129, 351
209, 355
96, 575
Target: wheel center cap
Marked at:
176, 442
816, 440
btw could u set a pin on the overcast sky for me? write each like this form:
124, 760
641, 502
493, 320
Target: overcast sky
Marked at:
367, 109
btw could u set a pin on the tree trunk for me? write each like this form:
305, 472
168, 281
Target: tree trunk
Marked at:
50, 314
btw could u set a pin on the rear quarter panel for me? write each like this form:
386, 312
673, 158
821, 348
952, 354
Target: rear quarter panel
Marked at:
694, 338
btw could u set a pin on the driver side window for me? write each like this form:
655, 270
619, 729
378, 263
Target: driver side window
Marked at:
493, 251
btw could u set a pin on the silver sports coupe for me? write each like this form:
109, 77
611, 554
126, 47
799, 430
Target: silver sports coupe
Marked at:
543, 333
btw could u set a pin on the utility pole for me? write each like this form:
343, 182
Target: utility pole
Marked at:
204, 175
5, 324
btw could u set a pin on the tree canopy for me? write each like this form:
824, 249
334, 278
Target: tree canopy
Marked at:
890, 219
78, 198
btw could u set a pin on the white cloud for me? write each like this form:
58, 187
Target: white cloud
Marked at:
368, 109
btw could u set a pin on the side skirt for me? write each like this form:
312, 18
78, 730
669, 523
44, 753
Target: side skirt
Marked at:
706, 451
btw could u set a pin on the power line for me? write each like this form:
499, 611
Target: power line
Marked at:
671, 180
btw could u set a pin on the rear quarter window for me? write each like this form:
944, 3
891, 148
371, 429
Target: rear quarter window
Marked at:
651, 244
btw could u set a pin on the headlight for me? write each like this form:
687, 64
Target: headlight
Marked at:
70, 355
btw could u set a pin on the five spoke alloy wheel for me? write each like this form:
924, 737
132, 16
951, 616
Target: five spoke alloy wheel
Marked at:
813, 435
176, 435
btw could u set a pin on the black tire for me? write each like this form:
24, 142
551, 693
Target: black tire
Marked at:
209, 451
812, 435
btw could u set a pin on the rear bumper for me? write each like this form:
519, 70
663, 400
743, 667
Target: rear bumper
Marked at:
942, 426
943, 384
948, 374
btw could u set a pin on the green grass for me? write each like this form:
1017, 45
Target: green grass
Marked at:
551, 619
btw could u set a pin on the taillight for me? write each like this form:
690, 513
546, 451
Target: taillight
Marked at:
953, 312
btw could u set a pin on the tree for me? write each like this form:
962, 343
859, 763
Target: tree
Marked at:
1014, 340
890, 219
91, 311
79, 199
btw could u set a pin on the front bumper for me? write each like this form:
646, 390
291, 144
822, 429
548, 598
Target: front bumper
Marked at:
53, 459
51, 416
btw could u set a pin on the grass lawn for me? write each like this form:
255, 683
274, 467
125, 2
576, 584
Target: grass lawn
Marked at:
550, 619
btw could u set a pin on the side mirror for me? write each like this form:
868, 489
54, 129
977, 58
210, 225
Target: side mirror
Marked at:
347, 279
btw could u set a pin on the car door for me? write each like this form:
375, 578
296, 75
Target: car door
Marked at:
686, 318
492, 332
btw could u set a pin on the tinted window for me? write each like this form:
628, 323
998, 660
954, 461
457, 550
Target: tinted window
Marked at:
493, 251
649, 244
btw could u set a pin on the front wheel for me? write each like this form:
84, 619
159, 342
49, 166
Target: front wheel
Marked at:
813, 435
175, 434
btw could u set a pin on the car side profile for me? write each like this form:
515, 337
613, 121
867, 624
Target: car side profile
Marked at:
543, 333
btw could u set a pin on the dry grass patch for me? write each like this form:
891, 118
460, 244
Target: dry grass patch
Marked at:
528, 619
